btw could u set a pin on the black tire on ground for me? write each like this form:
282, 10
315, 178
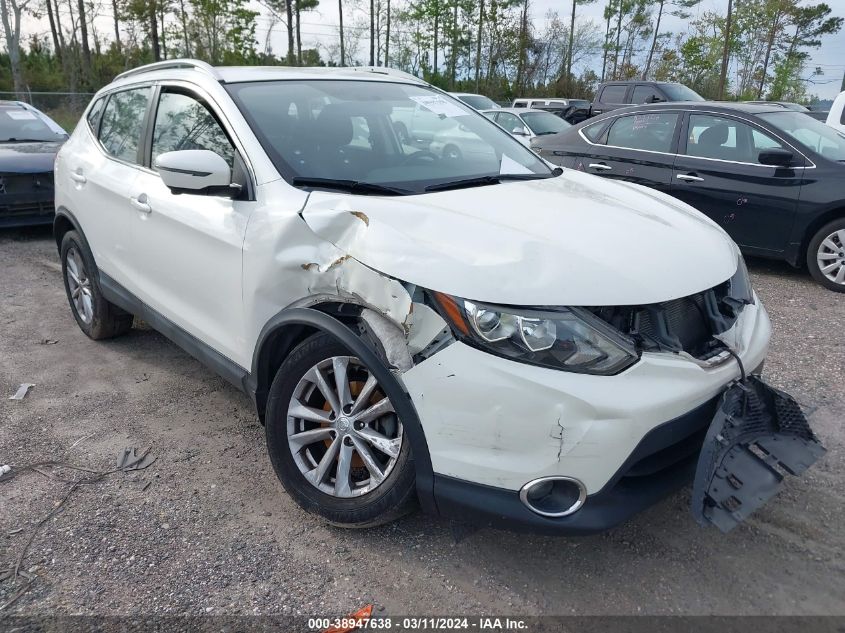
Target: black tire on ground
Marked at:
106, 319
813, 266
391, 499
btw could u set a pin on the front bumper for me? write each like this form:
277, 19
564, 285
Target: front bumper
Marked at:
492, 425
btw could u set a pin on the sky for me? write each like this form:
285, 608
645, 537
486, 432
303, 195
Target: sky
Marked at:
321, 26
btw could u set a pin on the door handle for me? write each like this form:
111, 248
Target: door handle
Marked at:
597, 111
600, 166
76, 176
689, 178
140, 204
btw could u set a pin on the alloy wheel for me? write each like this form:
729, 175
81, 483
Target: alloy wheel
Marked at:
342, 429
831, 257
79, 285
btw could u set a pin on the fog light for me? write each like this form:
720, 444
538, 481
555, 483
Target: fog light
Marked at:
553, 496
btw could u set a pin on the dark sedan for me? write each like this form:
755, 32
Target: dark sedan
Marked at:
773, 178
29, 141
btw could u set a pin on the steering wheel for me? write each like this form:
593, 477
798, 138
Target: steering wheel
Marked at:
422, 154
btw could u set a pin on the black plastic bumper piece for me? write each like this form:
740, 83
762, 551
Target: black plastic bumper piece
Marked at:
758, 433
663, 461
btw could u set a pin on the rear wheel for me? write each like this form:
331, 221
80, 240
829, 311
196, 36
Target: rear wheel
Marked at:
826, 255
95, 316
335, 440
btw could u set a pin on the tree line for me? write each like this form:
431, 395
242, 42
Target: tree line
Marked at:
756, 49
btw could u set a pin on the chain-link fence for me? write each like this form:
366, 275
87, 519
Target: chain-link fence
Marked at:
64, 108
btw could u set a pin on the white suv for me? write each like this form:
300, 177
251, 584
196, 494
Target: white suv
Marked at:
491, 337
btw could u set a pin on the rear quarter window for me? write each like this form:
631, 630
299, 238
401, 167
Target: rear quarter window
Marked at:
94, 114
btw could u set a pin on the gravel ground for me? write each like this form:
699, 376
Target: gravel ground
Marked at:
208, 529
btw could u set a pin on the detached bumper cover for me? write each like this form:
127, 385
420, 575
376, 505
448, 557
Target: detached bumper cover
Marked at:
757, 433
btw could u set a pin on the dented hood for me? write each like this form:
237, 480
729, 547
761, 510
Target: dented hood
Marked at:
571, 240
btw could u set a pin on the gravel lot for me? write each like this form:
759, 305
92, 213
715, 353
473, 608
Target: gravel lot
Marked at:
208, 529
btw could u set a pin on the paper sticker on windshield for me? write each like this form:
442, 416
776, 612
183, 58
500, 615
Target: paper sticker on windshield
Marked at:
20, 115
510, 166
440, 106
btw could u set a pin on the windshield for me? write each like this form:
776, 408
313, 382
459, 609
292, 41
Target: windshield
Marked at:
20, 124
544, 123
404, 136
810, 132
679, 92
479, 102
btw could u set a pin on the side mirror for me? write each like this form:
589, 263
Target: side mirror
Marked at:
654, 99
519, 131
776, 157
196, 171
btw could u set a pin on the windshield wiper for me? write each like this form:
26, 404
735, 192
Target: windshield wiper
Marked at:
352, 186
480, 181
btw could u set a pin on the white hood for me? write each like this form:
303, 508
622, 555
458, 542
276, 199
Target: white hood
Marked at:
572, 240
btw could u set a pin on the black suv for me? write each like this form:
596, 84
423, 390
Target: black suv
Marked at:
617, 94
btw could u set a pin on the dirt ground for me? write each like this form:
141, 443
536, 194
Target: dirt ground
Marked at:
208, 529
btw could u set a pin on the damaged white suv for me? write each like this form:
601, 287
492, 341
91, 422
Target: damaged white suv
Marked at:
470, 330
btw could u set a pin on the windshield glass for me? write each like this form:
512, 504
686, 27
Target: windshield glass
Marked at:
19, 124
679, 92
544, 123
808, 131
479, 102
405, 136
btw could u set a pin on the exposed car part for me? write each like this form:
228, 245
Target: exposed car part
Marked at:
758, 433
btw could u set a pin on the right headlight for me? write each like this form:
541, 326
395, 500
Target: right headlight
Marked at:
571, 339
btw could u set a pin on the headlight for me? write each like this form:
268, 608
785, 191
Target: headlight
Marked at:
571, 339
740, 284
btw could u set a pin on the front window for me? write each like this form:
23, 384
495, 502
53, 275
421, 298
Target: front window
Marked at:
544, 123
17, 124
724, 138
814, 134
404, 136
679, 92
182, 122
478, 102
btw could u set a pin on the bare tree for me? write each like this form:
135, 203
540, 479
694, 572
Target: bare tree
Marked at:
11, 12
342, 49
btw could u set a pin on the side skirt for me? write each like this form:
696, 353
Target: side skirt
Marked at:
211, 358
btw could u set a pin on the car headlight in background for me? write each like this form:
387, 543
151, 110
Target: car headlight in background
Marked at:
571, 339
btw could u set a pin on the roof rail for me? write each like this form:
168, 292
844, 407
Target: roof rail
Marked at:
171, 63
391, 72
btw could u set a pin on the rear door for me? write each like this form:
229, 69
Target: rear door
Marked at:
636, 148
718, 173
103, 172
188, 247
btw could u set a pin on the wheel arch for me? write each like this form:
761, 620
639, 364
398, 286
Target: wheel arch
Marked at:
812, 228
291, 326
64, 222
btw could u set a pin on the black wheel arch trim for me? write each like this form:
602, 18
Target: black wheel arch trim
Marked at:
320, 321
64, 215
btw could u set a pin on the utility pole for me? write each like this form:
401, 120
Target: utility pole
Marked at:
725, 52
842, 87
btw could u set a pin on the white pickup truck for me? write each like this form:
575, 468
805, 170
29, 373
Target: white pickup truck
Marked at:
836, 116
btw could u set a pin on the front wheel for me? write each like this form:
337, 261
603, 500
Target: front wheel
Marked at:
826, 255
335, 440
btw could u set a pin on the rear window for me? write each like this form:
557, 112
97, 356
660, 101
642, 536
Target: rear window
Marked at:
94, 114
613, 94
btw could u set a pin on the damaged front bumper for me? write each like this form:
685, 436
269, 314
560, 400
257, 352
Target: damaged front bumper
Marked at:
758, 433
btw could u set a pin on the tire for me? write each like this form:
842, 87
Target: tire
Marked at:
827, 249
452, 152
363, 497
96, 317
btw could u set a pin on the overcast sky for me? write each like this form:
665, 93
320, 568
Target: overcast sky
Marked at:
321, 26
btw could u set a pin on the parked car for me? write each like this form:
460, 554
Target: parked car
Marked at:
479, 102
773, 178
618, 94
29, 140
415, 328
526, 125
819, 115
570, 110
836, 116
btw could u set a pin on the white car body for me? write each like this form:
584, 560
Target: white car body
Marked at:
220, 270
527, 133
836, 116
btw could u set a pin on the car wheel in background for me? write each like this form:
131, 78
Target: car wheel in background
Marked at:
452, 152
96, 317
334, 439
826, 255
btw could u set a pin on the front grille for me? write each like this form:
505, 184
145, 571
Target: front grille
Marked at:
688, 324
